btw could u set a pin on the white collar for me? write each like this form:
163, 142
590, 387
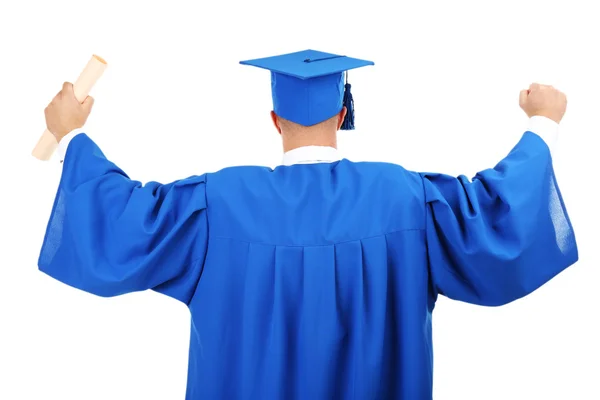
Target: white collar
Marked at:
311, 155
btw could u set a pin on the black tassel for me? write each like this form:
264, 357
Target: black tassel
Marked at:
348, 123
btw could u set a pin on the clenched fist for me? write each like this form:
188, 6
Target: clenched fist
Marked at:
543, 100
65, 113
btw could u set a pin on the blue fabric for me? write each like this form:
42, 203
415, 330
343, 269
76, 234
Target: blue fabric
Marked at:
308, 64
314, 100
311, 281
307, 87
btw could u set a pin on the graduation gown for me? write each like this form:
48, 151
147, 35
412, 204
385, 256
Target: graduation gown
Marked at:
312, 281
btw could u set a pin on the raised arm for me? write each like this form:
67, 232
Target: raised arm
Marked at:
110, 235
506, 232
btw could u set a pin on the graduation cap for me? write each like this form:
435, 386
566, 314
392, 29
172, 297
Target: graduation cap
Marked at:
308, 86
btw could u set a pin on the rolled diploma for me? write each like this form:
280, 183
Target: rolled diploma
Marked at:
47, 144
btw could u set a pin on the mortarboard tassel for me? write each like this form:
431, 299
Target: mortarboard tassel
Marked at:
348, 123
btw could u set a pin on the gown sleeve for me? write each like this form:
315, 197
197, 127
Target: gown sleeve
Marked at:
109, 235
503, 234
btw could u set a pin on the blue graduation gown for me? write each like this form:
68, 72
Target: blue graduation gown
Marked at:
311, 281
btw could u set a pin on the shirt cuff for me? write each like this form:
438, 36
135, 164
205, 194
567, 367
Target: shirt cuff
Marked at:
545, 128
64, 143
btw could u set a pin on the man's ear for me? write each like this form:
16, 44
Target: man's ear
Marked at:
341, 117
275, 120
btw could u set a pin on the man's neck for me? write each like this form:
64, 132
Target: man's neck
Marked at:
299, 140
311, 155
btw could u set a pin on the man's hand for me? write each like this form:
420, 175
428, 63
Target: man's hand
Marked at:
65, 113
543, 100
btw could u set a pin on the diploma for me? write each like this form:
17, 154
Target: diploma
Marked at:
47, 144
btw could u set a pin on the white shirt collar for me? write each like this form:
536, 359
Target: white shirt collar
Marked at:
311, 155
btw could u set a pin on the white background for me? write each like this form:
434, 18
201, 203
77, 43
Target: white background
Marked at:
174, 101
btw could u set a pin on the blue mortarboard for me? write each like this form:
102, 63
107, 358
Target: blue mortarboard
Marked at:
308, 86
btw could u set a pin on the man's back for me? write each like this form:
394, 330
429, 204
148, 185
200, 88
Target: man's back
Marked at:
314, 204
315, 285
